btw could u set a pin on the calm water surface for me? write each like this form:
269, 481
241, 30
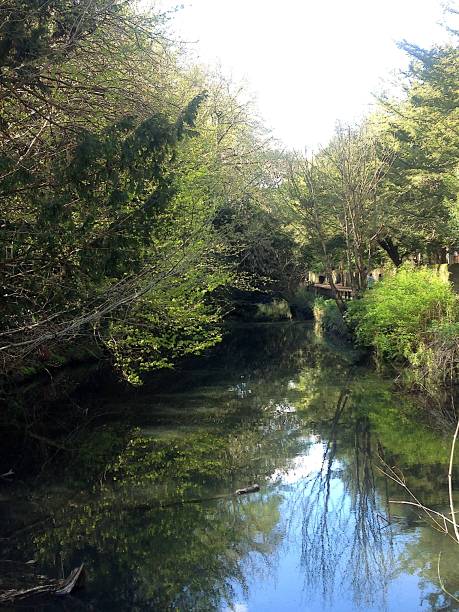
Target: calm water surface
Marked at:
147, 503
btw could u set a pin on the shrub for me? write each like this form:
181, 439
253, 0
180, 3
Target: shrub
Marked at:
302, 303
329, 318
437, 357
277, 310
410, 316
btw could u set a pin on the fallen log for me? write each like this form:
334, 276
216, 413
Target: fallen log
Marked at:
61, 587
244, 491
74, 580
252, 489
196, 500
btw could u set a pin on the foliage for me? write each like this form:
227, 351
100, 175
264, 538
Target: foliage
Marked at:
408, 316
302, 303
137, 191
385, 190
277, 310
436, 361
329, 318
333, 196
162, 329
117, 165
419, 193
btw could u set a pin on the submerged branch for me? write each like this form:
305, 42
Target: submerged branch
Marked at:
73, 581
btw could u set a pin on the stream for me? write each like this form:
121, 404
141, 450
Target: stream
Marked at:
144, 495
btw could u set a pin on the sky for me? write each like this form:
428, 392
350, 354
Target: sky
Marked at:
308, 63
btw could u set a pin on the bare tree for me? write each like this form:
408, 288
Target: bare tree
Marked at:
357, 163
335, 196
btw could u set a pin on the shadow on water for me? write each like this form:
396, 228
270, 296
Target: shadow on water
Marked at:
276, 405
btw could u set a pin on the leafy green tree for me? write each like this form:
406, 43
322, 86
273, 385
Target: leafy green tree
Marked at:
115, 164
419, 193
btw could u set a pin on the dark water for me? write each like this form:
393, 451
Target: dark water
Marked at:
146, 501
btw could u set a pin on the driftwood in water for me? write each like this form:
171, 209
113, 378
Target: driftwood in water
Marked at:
197, 500
252, 489
73, 581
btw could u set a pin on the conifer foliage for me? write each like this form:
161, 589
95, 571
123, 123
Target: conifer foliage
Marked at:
111, 160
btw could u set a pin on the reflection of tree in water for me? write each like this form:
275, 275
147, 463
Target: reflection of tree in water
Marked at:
420, 556
228, 426
186, 556
348, 546
276, 352
346, 541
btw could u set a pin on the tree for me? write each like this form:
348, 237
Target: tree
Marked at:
335, 193
115, 166
419, 193
357, 164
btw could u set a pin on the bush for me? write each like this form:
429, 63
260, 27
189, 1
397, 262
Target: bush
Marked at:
277, 310
399, 311
302, 303
410, 316
437, 357
329, 318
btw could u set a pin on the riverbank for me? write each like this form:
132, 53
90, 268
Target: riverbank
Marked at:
410, 321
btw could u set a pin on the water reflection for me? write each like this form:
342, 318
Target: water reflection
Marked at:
347, 539
148, 504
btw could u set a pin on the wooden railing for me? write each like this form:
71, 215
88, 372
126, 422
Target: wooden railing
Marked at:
325, 290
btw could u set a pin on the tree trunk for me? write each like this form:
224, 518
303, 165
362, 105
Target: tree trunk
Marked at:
391, 249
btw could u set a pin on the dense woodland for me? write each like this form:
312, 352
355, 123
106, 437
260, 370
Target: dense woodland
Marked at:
139, 194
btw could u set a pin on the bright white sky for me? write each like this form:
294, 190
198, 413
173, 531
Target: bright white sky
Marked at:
309, 63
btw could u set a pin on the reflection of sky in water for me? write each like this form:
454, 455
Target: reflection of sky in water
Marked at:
347, 568
303, 465
237, 607
241, 390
